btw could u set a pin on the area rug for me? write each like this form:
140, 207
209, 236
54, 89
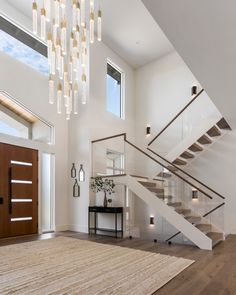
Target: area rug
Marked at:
71, 266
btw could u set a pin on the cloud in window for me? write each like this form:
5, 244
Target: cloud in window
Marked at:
23, 53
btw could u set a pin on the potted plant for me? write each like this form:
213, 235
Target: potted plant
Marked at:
99, 184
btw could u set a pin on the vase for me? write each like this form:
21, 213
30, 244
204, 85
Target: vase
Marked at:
105, 200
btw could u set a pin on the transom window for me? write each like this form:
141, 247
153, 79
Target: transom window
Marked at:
114, 90
21, 46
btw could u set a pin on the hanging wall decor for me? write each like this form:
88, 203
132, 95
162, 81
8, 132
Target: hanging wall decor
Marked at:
73, 171
76, 189
81, 173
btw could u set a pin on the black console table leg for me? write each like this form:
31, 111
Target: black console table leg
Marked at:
116, 224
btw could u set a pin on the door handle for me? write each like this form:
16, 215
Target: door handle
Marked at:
10, 190
1, 200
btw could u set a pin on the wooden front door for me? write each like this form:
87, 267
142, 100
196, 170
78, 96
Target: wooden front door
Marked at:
18, 191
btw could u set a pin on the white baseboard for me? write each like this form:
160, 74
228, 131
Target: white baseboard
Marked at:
79, 228
62, 227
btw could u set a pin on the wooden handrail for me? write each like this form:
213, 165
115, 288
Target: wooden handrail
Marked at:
161, 164
189, 175
109, 137
179, 113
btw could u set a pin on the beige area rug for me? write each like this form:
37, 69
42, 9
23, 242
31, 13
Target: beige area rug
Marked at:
70, 266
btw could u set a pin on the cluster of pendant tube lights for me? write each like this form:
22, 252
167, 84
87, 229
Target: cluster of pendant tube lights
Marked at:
68, 27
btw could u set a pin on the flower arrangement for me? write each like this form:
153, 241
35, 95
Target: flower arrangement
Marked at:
99, 184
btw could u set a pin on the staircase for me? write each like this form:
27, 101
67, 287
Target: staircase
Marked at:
206, 139
186, 213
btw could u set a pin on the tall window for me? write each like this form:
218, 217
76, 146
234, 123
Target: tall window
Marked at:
114, 91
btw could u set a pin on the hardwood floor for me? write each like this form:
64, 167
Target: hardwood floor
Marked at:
213, 273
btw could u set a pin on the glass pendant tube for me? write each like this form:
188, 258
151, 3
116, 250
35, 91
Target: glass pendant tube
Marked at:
58, 55
35, 17
53, 62
63, 37
71, 40
76, 99
91, 27
43, 23
57, 13
78, 11
47, 5
59, 98
84, 99
51, 89
74, 50
61, 73
74, 15
54, 32
49, 43
99, 25
71, 70
63, 3
66, 84
83, 15
76, 64
77, 34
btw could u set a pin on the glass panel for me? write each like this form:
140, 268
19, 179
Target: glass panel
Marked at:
195, 121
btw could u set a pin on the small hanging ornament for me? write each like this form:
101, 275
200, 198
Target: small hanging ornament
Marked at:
76, 189
73, 171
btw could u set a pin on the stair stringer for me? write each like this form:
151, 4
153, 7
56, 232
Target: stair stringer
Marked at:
178, 221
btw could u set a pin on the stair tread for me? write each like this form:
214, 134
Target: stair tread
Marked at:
193, 219
172, 168
215, 237
164, 175
214, 131
174, 204
164, 197
147, 183
179, 161
206, 228
155, 189
187, 155
222, 124
204, 139
183, 211
195, 148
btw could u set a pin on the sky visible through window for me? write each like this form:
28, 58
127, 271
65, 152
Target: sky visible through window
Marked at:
113, 96
23, 53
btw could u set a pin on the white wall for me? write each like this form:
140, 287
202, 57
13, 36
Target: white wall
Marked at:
31, 89
163, 87
94, 122
202, 32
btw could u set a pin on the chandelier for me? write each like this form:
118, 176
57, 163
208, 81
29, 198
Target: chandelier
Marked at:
68, 27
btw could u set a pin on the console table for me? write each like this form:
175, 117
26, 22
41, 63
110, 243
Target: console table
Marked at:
107, 210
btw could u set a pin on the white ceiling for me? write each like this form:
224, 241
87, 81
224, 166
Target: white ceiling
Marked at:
128, 29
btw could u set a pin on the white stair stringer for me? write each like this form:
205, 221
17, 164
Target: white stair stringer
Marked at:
178, 221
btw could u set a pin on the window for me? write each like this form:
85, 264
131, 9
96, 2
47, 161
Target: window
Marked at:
114, 91
22, 46
115, 163
23, 53
16, 120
